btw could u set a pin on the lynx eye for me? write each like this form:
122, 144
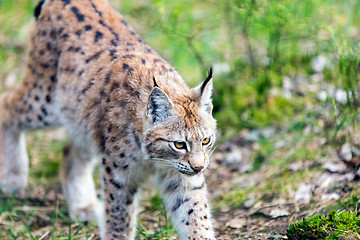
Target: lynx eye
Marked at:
206, 141
180, 145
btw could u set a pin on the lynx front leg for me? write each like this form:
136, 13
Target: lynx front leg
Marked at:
14, 162
122, 178
78, 185
185, 199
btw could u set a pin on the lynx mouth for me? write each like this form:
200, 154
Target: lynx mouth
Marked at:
188, 173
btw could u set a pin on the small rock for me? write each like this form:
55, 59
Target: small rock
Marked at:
278, 212
253, 136
10, 79
235, 156
295, 166
267, 132
307, 130
340, 96
303, 194
345, 152
249, 203
317, 77
318, 64
325, 180
322, 95
330, 196
279, 144
236, 222
335, 167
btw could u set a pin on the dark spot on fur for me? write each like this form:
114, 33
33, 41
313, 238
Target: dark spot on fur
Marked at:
133, 191
48, 98
113, 43
53, 34
114, 86
38, 9
37, 98
108, 170
53, 78
48, 46
190, 211
116, 183
95, 8
199, 187
44, 110
125, 66
122, 155
179, 202
95, 56
88, 27
40, 118
108, 77
124, 22
79, 16
66, 2
78, 33
172, 186
65, 35
98, 36
44, 65
111, 196
143, 61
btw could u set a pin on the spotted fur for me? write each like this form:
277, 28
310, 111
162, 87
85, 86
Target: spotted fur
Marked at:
89, 72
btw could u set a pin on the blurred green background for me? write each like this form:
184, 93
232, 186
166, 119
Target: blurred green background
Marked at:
287, 65
252, 44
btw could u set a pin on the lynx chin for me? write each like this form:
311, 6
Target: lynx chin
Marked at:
89, 72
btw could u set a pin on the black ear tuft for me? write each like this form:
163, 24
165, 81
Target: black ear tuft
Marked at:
209, 77
37, 10
155, 84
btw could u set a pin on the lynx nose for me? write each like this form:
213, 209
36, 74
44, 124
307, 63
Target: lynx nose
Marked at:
198, 168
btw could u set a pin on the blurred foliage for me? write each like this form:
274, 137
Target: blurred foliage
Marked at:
252, 44
259, 42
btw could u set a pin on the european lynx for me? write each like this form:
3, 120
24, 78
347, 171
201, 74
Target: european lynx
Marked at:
90, 72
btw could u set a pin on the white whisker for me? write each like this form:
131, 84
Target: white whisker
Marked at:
213, 150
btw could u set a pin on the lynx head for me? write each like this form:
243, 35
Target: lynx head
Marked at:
180, 131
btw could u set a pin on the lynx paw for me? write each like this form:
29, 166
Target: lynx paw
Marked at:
93, 212
13, 182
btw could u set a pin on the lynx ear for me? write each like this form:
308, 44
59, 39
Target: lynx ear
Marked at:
159, 105
204, 91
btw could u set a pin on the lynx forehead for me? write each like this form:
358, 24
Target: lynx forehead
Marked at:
89, 72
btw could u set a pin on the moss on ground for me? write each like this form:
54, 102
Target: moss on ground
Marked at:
334, 225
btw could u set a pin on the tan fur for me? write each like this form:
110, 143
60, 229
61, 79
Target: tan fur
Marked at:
89, 72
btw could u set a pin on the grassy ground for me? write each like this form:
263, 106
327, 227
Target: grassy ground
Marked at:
271, 98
